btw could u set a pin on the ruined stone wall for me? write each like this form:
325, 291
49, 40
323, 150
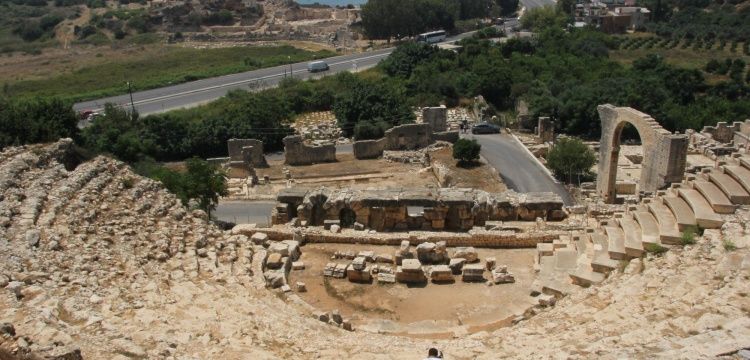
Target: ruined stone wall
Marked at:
480, 108
297, 153
448, 136
545, 129
368, 149
415, 209
664, 153
436, 117
408, 137
722, 132
477, 238
247, 150
403, 137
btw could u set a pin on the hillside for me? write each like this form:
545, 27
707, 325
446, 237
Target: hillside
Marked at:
31, 26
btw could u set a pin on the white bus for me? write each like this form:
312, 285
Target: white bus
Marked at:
431, 37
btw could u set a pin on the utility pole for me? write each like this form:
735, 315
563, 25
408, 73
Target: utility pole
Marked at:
132, 105
291, 73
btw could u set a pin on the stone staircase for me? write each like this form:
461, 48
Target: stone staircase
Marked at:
585, 258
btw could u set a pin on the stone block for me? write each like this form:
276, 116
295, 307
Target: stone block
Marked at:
456, 265
259, 238
322, 316
473, 273
298, 265
502, 277
355, 275
336, 317
279, 248
274, 278
293, 249
335, 228
329, 269
441, 273
438, 224
301, 287
547, 300
359, 263
385, 278
410, 277
411, 265
468, 253
490, 262
274, 261
384, 258
368, 255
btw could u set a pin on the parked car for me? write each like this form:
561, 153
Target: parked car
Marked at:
485, 128
315, 66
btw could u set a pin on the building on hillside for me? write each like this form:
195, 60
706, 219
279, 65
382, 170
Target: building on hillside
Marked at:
611, 16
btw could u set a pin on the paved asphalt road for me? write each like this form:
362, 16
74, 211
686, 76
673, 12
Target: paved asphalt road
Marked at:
530, 4
203, 91
519, 170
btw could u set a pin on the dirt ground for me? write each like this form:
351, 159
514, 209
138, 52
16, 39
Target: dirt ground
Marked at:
350, 173
482, 176
428, 309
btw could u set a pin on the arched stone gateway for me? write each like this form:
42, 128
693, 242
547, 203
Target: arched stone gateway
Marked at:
664, 153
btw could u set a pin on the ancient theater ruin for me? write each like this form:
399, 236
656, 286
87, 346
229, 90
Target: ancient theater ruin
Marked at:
387, 254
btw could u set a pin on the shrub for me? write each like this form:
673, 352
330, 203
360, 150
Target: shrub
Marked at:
29, 31
223, 17
48, 22
139, 23
688, 235
729, 245
466, 151
712, 66
656, 249
86, 31
369, 131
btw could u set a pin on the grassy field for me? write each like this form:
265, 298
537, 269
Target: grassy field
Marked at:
679, 55
169, 65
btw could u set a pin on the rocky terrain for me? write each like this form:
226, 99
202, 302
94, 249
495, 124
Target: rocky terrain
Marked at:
97, 262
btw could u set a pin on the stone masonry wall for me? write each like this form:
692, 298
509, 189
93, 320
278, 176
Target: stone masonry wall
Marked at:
368, 149
448, 136
414, 209
476, 238
436, 117
297, 153
408, 137
253, 147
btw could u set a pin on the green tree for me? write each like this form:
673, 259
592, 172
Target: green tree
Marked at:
33, 121
466, 151
373, 102
570, 157
117, 132
539, 18
402, 61
370, 131
205, 183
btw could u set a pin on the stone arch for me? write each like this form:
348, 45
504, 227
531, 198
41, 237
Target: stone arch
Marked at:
664, 153
347, 217
316, 209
